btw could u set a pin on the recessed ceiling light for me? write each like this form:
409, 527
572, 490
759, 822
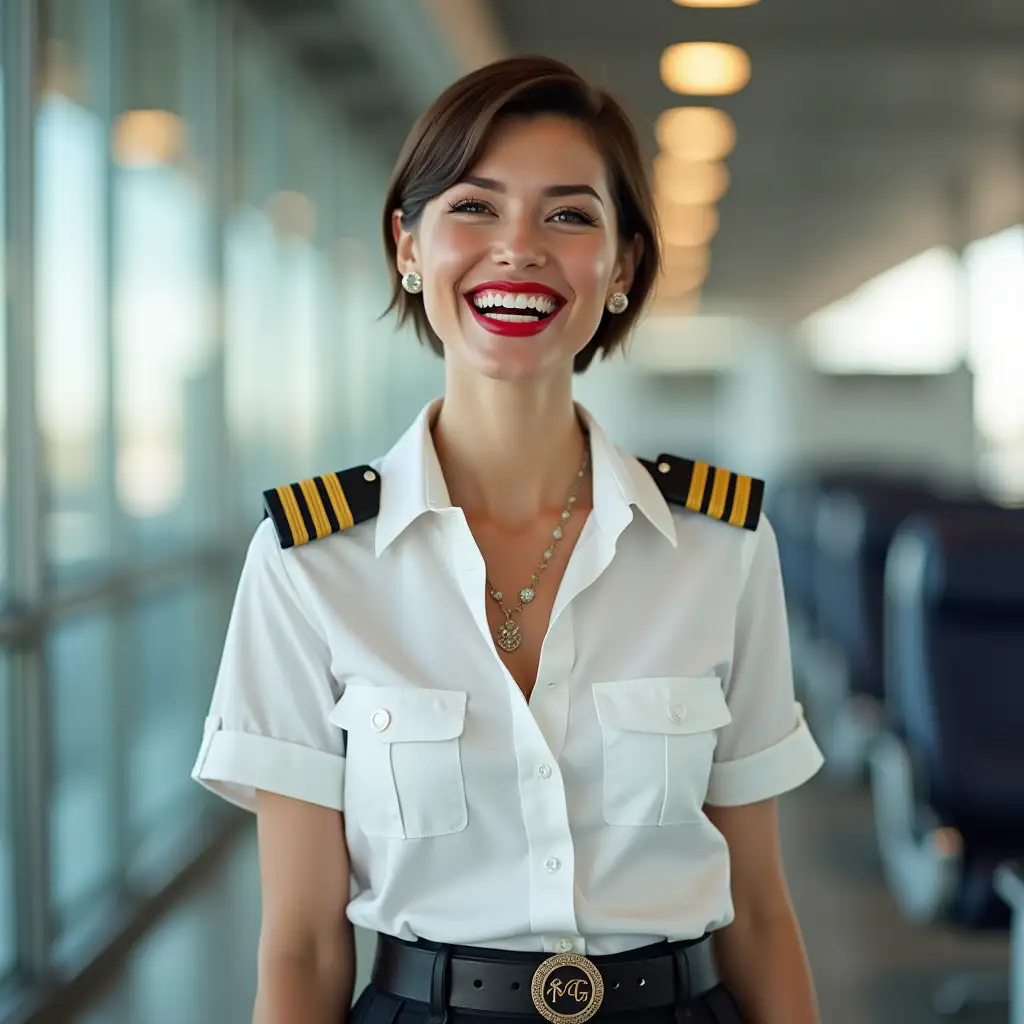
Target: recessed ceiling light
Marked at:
696, 133
705, 69
681, 181
716, 3
689, 225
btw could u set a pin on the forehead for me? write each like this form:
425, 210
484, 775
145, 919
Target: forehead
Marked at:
544, 149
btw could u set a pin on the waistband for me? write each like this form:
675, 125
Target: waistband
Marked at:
565, 988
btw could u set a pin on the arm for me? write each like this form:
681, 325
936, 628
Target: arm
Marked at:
306, 949
761, 955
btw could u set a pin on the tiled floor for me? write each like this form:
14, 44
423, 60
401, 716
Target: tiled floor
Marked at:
198, 965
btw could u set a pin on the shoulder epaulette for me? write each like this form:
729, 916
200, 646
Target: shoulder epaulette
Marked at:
709, 490
322, 505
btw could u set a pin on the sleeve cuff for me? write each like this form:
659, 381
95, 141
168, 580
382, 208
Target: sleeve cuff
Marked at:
233, 765
785, 766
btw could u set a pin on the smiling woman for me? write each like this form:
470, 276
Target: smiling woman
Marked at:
488, 713
573, 166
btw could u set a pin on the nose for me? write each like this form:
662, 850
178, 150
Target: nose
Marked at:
519, 244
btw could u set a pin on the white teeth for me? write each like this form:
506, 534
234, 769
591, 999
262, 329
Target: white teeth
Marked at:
544, 304
512, 318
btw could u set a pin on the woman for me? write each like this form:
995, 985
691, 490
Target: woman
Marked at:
512, 699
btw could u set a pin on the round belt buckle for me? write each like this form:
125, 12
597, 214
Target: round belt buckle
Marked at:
567, 989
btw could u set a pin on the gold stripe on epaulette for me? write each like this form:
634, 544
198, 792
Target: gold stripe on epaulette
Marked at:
741, 500
698, 484
719, 489
339, 502
291, 510
317, 512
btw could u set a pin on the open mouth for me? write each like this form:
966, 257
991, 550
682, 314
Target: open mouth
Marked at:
506, 307
516, 309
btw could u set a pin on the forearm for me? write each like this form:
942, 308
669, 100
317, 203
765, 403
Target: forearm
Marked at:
764, 965
311, 990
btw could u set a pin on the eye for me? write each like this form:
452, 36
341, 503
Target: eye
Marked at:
468, 206
574, 216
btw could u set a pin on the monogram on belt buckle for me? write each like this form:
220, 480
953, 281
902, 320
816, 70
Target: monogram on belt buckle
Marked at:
567, 989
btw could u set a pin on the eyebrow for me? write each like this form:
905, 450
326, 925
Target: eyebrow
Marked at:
552, 191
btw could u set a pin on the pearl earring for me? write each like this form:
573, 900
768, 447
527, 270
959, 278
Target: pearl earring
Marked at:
617, 302
412, 282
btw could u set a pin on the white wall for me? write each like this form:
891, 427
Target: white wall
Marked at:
775, 412
770, 411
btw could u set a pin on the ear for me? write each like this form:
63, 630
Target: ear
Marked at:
406, 254
630, 254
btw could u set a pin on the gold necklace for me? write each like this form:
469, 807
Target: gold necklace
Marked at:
510, 634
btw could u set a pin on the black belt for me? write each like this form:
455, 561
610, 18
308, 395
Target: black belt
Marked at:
558, 987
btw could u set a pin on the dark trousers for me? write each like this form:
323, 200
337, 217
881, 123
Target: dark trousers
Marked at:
376, 1007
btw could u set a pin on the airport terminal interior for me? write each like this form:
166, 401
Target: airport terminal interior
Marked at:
191, 224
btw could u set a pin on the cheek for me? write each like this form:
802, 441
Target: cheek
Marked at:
589, 265
451, 251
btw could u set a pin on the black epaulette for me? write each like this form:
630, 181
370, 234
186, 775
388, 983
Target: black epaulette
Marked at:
700, 487
322, 505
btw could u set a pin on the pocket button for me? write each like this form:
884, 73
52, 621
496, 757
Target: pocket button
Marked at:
677, 712
380, 720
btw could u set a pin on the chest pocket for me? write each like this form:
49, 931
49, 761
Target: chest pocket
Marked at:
403, 774
659, 740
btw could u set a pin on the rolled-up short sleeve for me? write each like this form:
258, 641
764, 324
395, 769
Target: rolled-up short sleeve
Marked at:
767, 748
267, 726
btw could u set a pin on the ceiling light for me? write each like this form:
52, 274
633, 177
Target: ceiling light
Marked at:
677, 283
678, 181
695, 133
685, 257
689, 225
716, 3
705, 69
148, 138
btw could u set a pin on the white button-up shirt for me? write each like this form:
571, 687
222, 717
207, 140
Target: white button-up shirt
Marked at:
359, 673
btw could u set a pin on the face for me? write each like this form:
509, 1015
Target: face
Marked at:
519, 258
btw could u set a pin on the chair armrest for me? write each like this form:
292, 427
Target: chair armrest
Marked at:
1009, 883
921, 856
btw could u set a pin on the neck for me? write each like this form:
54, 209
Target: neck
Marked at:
507, 451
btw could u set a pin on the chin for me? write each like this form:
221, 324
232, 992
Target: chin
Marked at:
516, 359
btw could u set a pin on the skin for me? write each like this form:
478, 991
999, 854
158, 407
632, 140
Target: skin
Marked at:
510, 443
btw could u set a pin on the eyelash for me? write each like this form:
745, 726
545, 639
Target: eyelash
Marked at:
585, 219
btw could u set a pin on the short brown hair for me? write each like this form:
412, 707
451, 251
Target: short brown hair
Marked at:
450, 136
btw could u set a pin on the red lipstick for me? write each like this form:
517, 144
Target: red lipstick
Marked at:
520, 329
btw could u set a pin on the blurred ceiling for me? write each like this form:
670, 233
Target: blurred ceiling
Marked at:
869, 131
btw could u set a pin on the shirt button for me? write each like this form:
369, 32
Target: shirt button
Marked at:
677, 712
544, 771
552, 864
380, 720
552, 684
564, 945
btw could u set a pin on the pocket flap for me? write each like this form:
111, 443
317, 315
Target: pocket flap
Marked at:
668, 705
400, 714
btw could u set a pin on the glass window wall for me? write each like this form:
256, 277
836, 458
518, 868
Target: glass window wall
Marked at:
163, 327
70, 287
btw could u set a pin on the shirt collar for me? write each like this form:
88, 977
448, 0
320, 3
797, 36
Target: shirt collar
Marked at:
620, 482
412, 483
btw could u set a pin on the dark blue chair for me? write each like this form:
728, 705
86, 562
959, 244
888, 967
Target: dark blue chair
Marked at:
947, 770
854, 526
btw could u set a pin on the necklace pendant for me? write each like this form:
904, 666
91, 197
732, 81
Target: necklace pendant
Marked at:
509, 635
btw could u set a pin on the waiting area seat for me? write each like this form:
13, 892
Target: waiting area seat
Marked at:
947, 767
